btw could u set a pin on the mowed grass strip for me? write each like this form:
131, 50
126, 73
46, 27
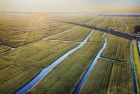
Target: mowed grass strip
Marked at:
66, 75
59, 29
136, 61
98, 79
75, 34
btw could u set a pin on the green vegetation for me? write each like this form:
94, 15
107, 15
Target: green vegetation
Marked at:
25, 62
77, 19
136, 61
3, 48
116, 48
120, 79
20, 31
65, 76
35, 56
26, 33
97, 81
111, 73
76, 34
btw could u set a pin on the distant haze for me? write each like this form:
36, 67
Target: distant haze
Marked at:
70, 5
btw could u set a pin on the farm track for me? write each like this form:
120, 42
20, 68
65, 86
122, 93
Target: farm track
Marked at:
40, 39
48, 69
44, 39
66, 41
111, 59
110, 31
59, 33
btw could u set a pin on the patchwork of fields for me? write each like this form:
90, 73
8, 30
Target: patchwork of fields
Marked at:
32, 42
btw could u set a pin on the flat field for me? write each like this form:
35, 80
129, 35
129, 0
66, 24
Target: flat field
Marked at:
32, 42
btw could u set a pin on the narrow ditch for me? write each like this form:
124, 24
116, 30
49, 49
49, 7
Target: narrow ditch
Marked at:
133, 73
32, 83
84, 77
139, 46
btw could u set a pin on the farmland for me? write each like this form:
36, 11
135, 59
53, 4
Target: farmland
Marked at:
136, 61
30, 43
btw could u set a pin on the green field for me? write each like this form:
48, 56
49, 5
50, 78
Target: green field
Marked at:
31, 42
136, 62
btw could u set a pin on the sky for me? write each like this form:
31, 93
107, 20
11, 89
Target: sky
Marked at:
70, 5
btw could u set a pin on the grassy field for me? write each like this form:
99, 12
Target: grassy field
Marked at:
111, 74
98, 80
136, 61
31, 29
120, 79
25, 50
3, 48
76, 34
34, 57
67, 74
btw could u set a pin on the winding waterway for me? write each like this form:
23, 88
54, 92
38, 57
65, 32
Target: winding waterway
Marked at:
28, 86
84, 77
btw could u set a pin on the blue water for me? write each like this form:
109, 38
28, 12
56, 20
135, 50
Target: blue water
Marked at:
49, 68
139, 46
83, 79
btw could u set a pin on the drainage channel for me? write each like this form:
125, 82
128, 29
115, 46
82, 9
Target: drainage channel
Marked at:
84, 77
28, 86
139, 46
133, 73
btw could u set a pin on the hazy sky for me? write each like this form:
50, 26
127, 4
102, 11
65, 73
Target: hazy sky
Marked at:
69, 5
